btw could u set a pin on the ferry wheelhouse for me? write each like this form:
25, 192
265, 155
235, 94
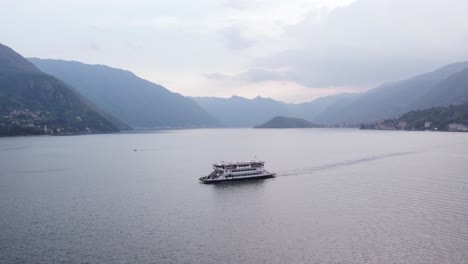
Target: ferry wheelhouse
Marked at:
243, 170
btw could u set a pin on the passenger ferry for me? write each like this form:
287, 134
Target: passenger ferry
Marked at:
243, 170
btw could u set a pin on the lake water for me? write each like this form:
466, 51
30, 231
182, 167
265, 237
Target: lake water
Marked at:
341, 196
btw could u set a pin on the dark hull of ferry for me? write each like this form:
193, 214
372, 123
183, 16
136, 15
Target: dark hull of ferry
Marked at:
207, 181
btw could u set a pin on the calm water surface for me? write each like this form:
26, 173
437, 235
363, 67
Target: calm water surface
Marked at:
342, 196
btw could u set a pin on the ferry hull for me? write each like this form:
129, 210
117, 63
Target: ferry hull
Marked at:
211, 181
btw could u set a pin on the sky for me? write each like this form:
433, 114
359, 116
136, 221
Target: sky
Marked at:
293, 51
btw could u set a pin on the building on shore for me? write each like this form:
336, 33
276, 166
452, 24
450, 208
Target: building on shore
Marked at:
455, 127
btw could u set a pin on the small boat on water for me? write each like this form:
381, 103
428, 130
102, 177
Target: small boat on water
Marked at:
233, 171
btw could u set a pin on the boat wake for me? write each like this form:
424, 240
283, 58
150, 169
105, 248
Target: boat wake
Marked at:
346, 163
11, 147
147, 149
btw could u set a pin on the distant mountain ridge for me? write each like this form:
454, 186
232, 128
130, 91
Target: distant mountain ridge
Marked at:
32, 102
238, 111
135, 101
143, 104
452, 90
392, 99
445, 86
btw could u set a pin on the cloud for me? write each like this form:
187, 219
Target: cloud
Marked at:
238, 4
369, 42
256, 75
235, 39
217, 76
247, 43
94, 46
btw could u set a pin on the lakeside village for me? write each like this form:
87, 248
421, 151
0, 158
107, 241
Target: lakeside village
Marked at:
424, 126
26, 122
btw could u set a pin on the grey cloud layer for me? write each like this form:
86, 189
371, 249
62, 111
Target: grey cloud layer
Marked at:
368, 42
235, 39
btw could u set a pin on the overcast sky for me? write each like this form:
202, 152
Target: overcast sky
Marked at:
292, 50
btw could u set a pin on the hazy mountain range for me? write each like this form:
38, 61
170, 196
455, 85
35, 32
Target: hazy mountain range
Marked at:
135, 101
445, 86
31, 101
78, 96
242, 112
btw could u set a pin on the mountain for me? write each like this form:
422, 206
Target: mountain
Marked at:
445, 86
287, 122
242, 112
450, 118
393, 99
133, 100
439, 117
32, 102
238, 111
453, 90
13, 63
315, 109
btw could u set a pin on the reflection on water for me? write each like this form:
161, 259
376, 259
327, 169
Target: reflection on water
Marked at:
251, 184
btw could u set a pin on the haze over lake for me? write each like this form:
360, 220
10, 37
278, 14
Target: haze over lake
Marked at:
341, 196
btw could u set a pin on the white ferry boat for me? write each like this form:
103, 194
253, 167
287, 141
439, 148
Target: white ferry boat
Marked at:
243, 170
